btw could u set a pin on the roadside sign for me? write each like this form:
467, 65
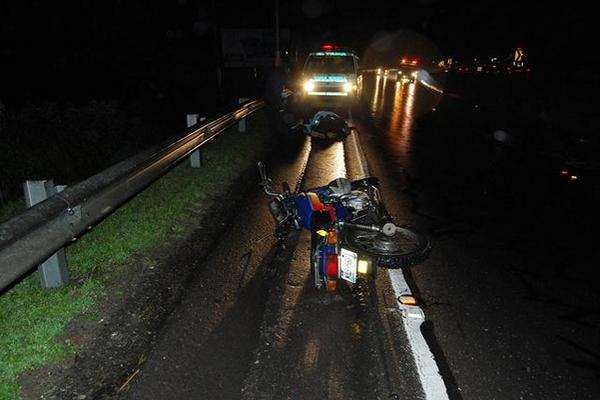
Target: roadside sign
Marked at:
519, 57
250, 47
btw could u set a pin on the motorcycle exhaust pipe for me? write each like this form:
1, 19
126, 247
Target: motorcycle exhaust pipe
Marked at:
373, 228
388, 229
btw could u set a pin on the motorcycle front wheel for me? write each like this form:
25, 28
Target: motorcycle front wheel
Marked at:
407, 247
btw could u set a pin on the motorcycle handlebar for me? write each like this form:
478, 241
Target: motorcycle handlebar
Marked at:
263, 171
265, 182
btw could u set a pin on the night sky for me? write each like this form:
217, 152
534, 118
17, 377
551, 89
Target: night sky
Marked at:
80, 50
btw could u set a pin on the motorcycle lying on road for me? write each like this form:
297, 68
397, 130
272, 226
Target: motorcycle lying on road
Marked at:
351, 232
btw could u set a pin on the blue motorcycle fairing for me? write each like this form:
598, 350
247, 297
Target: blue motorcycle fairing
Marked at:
305, 207
304, 210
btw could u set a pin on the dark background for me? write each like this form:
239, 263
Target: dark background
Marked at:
80, 50
97, 81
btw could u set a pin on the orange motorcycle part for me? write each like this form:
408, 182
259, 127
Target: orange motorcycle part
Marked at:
331, 237
317, 205
331, 285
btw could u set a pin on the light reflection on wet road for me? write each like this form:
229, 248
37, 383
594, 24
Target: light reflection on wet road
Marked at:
394, 105
492, 284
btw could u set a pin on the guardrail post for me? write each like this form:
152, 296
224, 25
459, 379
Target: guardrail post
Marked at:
37, 232
196, 156
242, 123
53, 272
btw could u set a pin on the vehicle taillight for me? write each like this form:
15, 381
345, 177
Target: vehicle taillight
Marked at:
331, 265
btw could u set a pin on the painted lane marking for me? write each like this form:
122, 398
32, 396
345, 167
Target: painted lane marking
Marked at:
413, 317
430, 86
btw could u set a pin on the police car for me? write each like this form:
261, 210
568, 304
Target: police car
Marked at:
331, 75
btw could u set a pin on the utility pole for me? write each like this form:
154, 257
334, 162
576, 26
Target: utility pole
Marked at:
217, 49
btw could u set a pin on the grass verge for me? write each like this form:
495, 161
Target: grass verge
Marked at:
11, 209
32, 319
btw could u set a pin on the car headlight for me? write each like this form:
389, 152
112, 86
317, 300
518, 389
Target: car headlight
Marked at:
348, 87
309, 86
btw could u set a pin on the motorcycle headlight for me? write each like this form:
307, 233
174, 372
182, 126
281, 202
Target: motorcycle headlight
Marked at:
277, 211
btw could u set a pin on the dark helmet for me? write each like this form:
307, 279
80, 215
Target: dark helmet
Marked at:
327, 124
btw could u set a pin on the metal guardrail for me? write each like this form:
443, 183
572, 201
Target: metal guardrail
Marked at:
32, 236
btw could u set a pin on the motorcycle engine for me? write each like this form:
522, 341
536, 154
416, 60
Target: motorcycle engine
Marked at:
357, 200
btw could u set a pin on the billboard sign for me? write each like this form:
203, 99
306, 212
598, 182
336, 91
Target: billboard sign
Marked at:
248, 47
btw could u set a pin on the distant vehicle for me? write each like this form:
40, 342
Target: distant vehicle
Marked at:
399, 74
409, 62
331, 76
580, 168
408, 67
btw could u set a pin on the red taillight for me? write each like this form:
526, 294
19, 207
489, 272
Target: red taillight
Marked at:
331, 265
327, 47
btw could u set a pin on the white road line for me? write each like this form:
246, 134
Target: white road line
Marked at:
413, 317
360, 157
430, 86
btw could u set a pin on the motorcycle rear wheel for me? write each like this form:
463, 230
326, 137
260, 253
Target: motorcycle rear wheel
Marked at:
407, 247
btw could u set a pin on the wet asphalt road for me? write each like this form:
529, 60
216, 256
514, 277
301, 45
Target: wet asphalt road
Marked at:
510, 288
253, 326
512, 308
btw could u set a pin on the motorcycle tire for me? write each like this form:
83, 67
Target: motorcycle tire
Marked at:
405, 249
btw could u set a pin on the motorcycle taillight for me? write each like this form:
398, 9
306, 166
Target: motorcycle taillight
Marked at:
331, 265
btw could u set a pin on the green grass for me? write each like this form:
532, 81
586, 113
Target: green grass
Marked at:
11, 209
32, 319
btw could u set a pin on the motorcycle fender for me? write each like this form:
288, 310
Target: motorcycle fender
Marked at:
304, 210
